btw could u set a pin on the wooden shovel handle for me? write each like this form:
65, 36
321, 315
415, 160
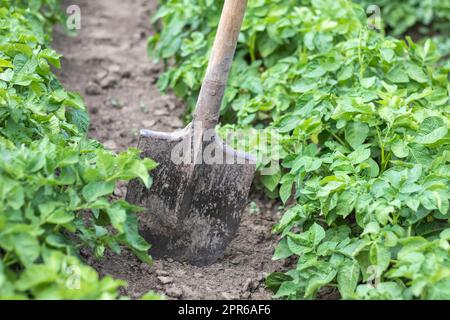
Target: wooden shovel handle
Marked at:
214, 84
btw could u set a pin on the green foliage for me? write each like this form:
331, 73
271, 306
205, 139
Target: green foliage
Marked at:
401, 15
364, 147
55, 184
419, 18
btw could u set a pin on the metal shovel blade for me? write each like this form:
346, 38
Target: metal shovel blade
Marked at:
194, 207
193, 210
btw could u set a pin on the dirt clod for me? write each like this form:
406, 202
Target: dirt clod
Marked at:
246, 295
161, 273
174, 292
248, 285
109, 82
165, 280
93, 89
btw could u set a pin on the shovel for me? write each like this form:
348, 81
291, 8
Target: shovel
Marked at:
200, 188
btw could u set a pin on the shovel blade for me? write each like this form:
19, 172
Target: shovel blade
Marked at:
193, 210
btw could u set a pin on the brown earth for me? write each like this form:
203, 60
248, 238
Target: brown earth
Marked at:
107, 63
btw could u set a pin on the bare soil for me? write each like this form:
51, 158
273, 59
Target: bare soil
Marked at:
107, 63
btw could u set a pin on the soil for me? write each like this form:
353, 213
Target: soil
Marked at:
107, 63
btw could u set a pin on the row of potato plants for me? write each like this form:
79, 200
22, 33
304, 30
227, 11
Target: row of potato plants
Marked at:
363, 146
55, 183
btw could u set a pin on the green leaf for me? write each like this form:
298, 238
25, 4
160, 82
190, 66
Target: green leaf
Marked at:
282, 250
143, 256
318, 281
432, 129
51, 57
271, 182
397, 75
6, 64
118, 216
416, 73
95, 190
35, 275
347, 278
356, 133
152, 296
286, 289
440, 290
132, 236
289, 216
380, 257
371, 228
387, 54
57, 241
359, 155
27, 248
298, 248
286, 190
276, 279
400, 149
60, 216
346, 203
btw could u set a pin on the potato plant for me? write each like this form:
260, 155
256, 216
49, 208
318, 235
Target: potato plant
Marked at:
363, 119
55, 183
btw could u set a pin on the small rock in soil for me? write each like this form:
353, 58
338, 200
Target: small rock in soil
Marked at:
246, 295
161, 112
165, 280
126, 74
115, 103
110, 145
187, 291
149, 123
151, 70
260, 266
260, 237
235, 261
176, 123
153, 80
262, 277
119, 192
108, 82
179, 273
174, 292
93, 89
114, 68
107, 121
171, 105
144, 108
145, 267
140, 35
161, 273
229, 296
248, 285
101, 75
